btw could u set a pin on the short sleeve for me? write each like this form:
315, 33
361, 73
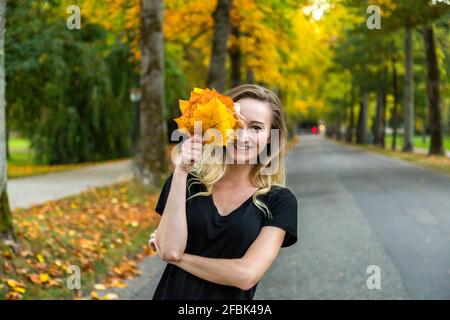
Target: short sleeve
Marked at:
161, 204
284, 209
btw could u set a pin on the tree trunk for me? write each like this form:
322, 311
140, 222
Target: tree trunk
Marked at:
435, 122
222, 26
235, 57
394, 111
151, 160
349, 137
338, 130
377, 132
8, 154
409, 93
6, 223
250, 75
380, 116
361, 133
383, 121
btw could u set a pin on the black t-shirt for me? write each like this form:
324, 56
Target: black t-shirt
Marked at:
227, 237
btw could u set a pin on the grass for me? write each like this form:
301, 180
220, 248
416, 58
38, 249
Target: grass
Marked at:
418, 142
438, 163
20, 152
103, 231
21, 162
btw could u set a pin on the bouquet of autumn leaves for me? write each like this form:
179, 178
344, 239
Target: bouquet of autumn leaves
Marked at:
213, 110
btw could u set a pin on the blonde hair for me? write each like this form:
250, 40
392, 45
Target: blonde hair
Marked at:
209, 172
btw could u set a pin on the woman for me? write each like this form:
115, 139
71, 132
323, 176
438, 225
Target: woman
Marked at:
223, 224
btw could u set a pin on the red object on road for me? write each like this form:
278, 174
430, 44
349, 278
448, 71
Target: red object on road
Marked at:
314, 130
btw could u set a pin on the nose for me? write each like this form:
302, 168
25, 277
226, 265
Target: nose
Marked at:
242, 135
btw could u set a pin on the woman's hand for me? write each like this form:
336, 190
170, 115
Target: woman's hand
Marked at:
191, 153
152, 242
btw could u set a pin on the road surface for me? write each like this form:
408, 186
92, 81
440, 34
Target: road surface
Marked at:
358, 211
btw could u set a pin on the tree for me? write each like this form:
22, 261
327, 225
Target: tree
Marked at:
222, 26
361, 132
235, 57
379, 124
410, 15
79, 108
6, 225
151, 160
408, 100
434, 110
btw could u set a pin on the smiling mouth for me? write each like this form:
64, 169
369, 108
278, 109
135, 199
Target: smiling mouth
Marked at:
241, 147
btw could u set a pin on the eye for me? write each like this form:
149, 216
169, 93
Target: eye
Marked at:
256, 128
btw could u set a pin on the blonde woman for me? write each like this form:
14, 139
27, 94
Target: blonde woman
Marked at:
223, 224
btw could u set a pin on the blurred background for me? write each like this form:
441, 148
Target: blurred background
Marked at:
89, 93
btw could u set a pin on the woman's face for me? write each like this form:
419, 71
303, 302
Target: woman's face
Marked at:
251, 139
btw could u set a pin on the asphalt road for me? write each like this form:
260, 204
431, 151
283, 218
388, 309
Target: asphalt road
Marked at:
357, 210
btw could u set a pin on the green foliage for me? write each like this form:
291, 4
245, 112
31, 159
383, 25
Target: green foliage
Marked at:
67, 91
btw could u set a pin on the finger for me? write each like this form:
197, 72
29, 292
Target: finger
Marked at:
189, 154
193, 156
156, 246
191, 146
187, 157
151, 245
197, 138
198, 159
197, 146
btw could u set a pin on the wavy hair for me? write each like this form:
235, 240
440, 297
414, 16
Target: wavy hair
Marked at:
209, 172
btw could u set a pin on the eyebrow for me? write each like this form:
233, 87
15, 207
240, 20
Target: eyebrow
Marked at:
254, 121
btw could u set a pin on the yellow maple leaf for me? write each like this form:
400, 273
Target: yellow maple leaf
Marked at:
110, 296
99, 286
212, 110
20, 290
13, 283
43, 277
40, 258
94, 295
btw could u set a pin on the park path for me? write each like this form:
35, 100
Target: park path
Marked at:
356, 209
425, 151
24, 192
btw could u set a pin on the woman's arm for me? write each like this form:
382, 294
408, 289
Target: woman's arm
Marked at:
172, 228
242, 273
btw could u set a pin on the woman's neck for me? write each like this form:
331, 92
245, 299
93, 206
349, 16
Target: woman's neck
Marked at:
237, 174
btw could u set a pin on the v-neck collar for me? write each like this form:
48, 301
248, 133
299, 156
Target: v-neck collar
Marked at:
211, 200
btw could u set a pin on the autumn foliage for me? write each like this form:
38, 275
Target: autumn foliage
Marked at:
103, 231
210, 108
